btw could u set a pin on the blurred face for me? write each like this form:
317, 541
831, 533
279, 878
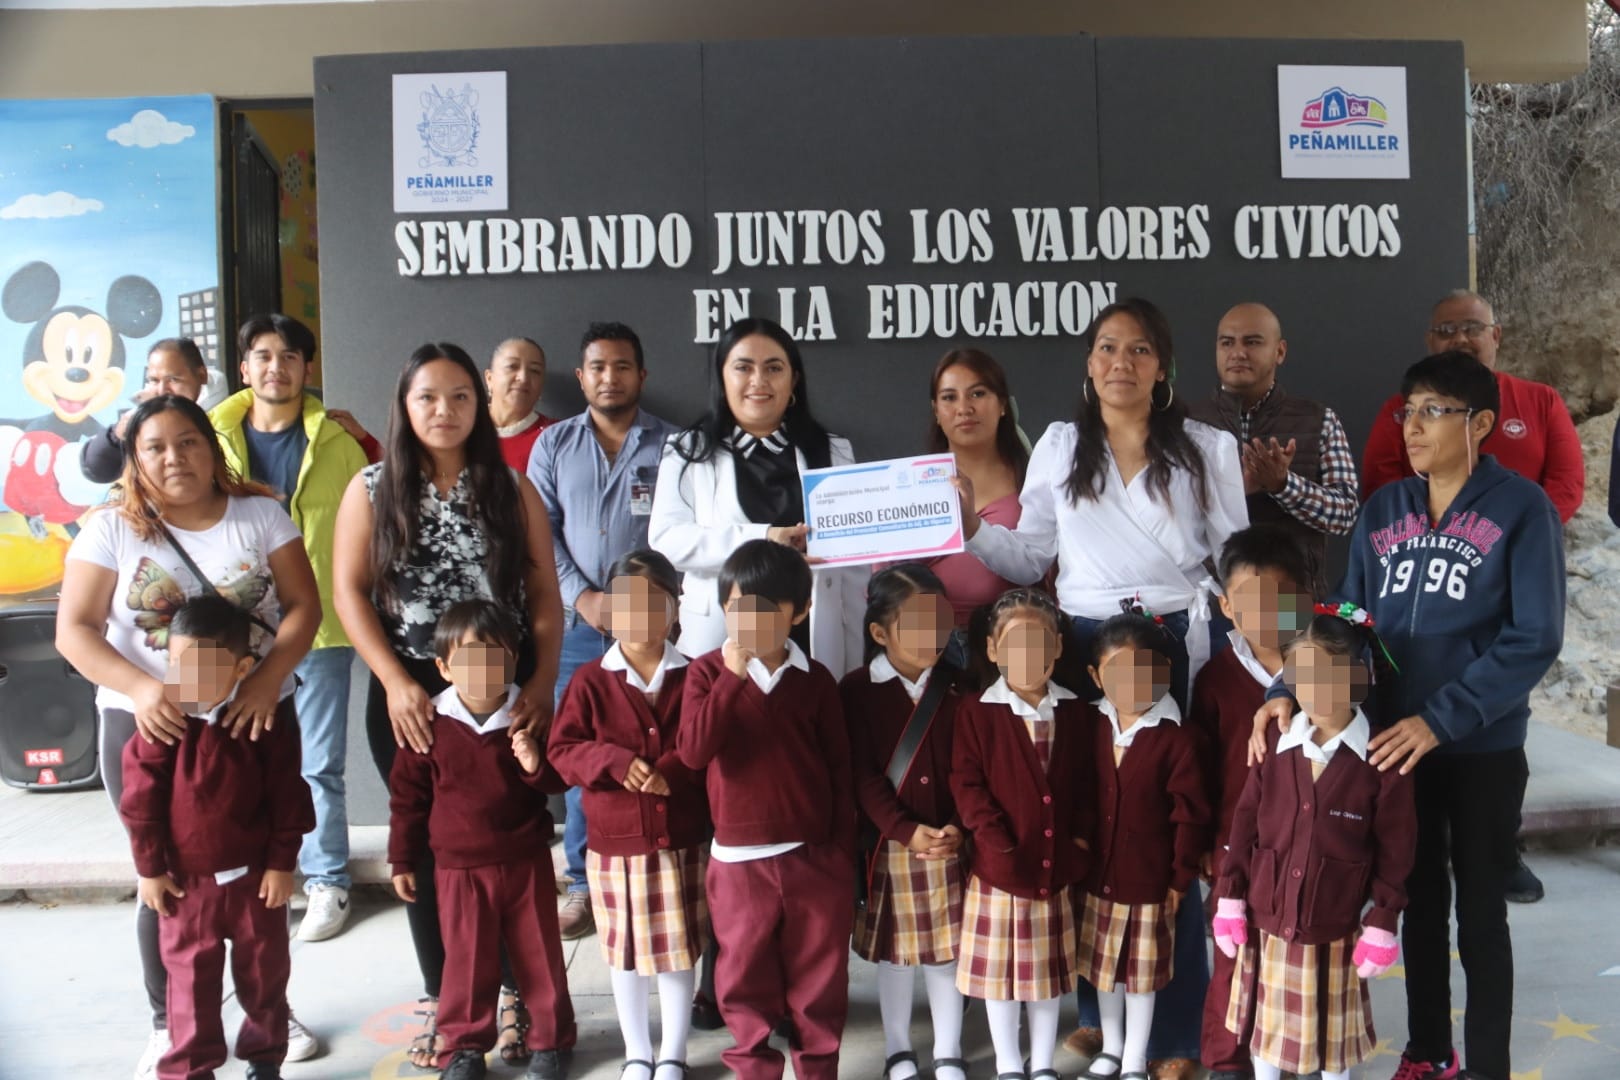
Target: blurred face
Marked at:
442, 404
966, 409
1123, 365
1248, 348
1132, 679
515, 378
176, 459
609, 378
274, 370
1326, 686
759, 381
757, 624
916, 636
1465, 324
1025, 649
201, 673
168, 373
479, 670
1441, 435
639, 612
1267, 608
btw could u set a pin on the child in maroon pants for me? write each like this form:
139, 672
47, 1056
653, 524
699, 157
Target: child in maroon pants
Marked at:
767, 723
477, 798
215, 823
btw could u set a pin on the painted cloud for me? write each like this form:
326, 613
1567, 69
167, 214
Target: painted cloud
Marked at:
149, 128
55, 205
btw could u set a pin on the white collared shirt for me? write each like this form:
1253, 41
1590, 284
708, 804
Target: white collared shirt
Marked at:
1353, 738
765, 678
613, 660
211, 717
1002, 694
449, 703
882, 670
1163, 709
1245, 655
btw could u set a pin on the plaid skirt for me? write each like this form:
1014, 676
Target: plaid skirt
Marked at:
1014, 948
1311, 1010
1132, 944
650, 911
913, 912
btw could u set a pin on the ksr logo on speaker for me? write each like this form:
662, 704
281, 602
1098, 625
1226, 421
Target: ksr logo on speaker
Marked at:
35, 759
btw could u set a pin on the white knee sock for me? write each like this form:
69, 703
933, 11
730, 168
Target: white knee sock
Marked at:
1264, 1070
630, 1000
1043, 1030
675, 991
1138, 1023
896, 984
1111, 1010
945, 1008
1004, 1017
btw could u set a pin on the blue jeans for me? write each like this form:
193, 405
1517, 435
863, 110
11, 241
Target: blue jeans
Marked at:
322, 700
581, 644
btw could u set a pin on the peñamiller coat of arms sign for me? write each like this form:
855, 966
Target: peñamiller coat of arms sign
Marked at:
450, 142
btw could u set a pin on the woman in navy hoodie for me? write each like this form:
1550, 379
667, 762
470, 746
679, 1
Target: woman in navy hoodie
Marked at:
1462, 569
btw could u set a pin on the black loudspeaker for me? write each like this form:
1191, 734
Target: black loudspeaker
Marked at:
47, 709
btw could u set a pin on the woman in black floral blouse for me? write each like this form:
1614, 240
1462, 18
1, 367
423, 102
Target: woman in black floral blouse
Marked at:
441, 519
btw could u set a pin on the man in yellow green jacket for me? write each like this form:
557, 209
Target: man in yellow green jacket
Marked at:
282, 437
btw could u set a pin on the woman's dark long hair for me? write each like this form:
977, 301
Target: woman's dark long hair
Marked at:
496, 506
1169, 447
988, 371
700, 441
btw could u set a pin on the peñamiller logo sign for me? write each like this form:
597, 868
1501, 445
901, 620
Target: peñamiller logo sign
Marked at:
1342, 123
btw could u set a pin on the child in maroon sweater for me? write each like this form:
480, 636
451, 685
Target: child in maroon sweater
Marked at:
477, 799
646, 814
1319, 831
766, 722
1153, 829
215, 823
1264, 576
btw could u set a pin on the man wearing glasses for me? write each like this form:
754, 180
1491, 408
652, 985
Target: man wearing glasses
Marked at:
1534, 435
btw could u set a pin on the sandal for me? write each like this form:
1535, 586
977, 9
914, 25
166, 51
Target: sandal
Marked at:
1090, 1075
672, 1063
898, 1059
950, 1063
514, 1050
633, 1062
1053, 1073
424, 1049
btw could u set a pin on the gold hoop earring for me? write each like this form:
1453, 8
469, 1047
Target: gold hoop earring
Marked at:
793, 399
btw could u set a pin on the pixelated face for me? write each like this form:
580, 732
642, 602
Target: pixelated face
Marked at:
639, 612
918, 632
757, 624
480, 670
201, 673
1025, 649
1324, 685
1269, 610
1132, 679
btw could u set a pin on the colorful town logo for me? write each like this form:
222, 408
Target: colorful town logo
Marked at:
1515, 429
1340, 108
449, 127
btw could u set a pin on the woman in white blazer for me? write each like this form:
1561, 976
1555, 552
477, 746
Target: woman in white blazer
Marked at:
734, 476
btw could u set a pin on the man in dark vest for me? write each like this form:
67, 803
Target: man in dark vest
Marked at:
1297, 467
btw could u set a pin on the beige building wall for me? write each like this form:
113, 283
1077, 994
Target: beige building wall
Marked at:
266, 50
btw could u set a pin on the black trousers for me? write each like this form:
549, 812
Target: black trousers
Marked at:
423, 916
1467, 818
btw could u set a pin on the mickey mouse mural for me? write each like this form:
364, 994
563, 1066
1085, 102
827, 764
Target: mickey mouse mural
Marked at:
73, 366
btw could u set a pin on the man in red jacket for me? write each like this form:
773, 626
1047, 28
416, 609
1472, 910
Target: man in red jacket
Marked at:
1534, 437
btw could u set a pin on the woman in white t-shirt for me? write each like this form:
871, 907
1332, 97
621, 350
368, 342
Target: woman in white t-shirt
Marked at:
123, 580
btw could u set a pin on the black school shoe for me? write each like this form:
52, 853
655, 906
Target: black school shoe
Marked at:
1523, 886
263, 1070
706, 1014
546, 1065
465, 1065
1228, 1075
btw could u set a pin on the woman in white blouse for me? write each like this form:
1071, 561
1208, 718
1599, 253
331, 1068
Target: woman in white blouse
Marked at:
734, 476
1132, 499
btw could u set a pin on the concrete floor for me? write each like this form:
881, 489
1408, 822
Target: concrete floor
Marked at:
71, 1006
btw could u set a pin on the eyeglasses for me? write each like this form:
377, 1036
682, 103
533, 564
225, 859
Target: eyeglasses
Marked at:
1428, 412
1470, 329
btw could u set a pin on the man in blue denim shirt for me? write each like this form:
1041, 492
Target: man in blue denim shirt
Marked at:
595, 473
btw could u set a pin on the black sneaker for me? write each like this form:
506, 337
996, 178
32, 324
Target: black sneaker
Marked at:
263, 1070
546, 1065
465, 1065
1523, 886
706, 1014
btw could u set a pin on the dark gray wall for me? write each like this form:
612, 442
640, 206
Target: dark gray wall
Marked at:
892, 125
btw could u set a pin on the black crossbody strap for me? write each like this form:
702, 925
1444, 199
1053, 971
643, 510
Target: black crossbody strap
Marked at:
922, 717
202, 578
